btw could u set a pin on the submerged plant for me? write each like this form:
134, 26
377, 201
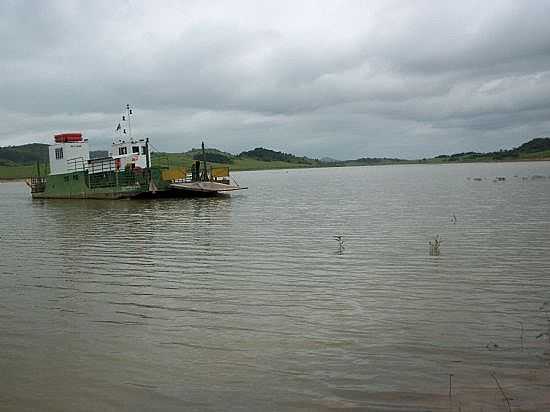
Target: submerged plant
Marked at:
435, 246
504, 396
545, 308
340, 240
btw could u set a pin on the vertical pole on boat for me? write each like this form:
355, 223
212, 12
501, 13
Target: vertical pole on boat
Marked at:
147, 161
205, 171
38, 168
128, 113
147, 152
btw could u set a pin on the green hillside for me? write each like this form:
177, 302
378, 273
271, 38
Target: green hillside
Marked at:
23, 155
17, 162
268, 155
262, 158
534, 149
535, 145
235, 162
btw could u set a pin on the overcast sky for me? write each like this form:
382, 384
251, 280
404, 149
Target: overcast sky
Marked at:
344, 79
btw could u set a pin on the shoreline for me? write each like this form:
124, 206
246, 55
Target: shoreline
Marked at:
328, 166
12, 180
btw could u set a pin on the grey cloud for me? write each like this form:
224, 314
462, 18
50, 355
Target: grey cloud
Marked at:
362, 78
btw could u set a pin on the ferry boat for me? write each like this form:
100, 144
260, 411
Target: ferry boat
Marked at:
126, 173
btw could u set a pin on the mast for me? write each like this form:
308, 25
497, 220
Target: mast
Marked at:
128, 113
127, 119
148, 163
147, 160
205, 171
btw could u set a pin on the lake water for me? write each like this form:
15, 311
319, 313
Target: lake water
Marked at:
244, 302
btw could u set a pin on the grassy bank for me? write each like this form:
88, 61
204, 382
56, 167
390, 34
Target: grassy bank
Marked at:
241, 164
19, 162
19, 172
236, 163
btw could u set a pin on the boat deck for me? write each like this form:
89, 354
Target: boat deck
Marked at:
205, 187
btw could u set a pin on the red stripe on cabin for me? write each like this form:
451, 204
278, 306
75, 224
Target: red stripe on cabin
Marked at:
68, 137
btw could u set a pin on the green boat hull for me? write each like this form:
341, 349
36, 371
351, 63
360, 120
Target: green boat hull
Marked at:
109, 185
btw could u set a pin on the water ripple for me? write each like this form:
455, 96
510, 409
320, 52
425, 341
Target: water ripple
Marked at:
192, 301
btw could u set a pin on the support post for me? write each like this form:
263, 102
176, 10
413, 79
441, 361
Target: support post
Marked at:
147, 160
205, 171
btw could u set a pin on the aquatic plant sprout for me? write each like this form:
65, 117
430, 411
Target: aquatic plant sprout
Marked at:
435, 246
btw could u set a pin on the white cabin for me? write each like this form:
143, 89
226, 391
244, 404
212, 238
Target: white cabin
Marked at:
69, 153
133, 153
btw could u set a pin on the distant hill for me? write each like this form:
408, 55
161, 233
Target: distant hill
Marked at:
213, 158
268, 155
535, 145
327, 159
187, 158
212, 155
372, 161
257, 159
194, 152
538, 148
23, 155
20, 161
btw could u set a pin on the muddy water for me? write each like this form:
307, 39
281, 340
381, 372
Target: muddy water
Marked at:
245, 303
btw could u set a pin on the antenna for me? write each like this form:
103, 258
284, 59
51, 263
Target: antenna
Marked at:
128, 114
205, 172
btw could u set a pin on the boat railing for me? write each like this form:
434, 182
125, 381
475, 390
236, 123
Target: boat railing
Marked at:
77, 164
101, 165
114, 179
219, 174
37, 184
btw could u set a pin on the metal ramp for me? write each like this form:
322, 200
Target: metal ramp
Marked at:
205, 187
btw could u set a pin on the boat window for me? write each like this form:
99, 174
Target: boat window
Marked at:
135, 149
143, 150
75, 177
59, 153
122, 150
